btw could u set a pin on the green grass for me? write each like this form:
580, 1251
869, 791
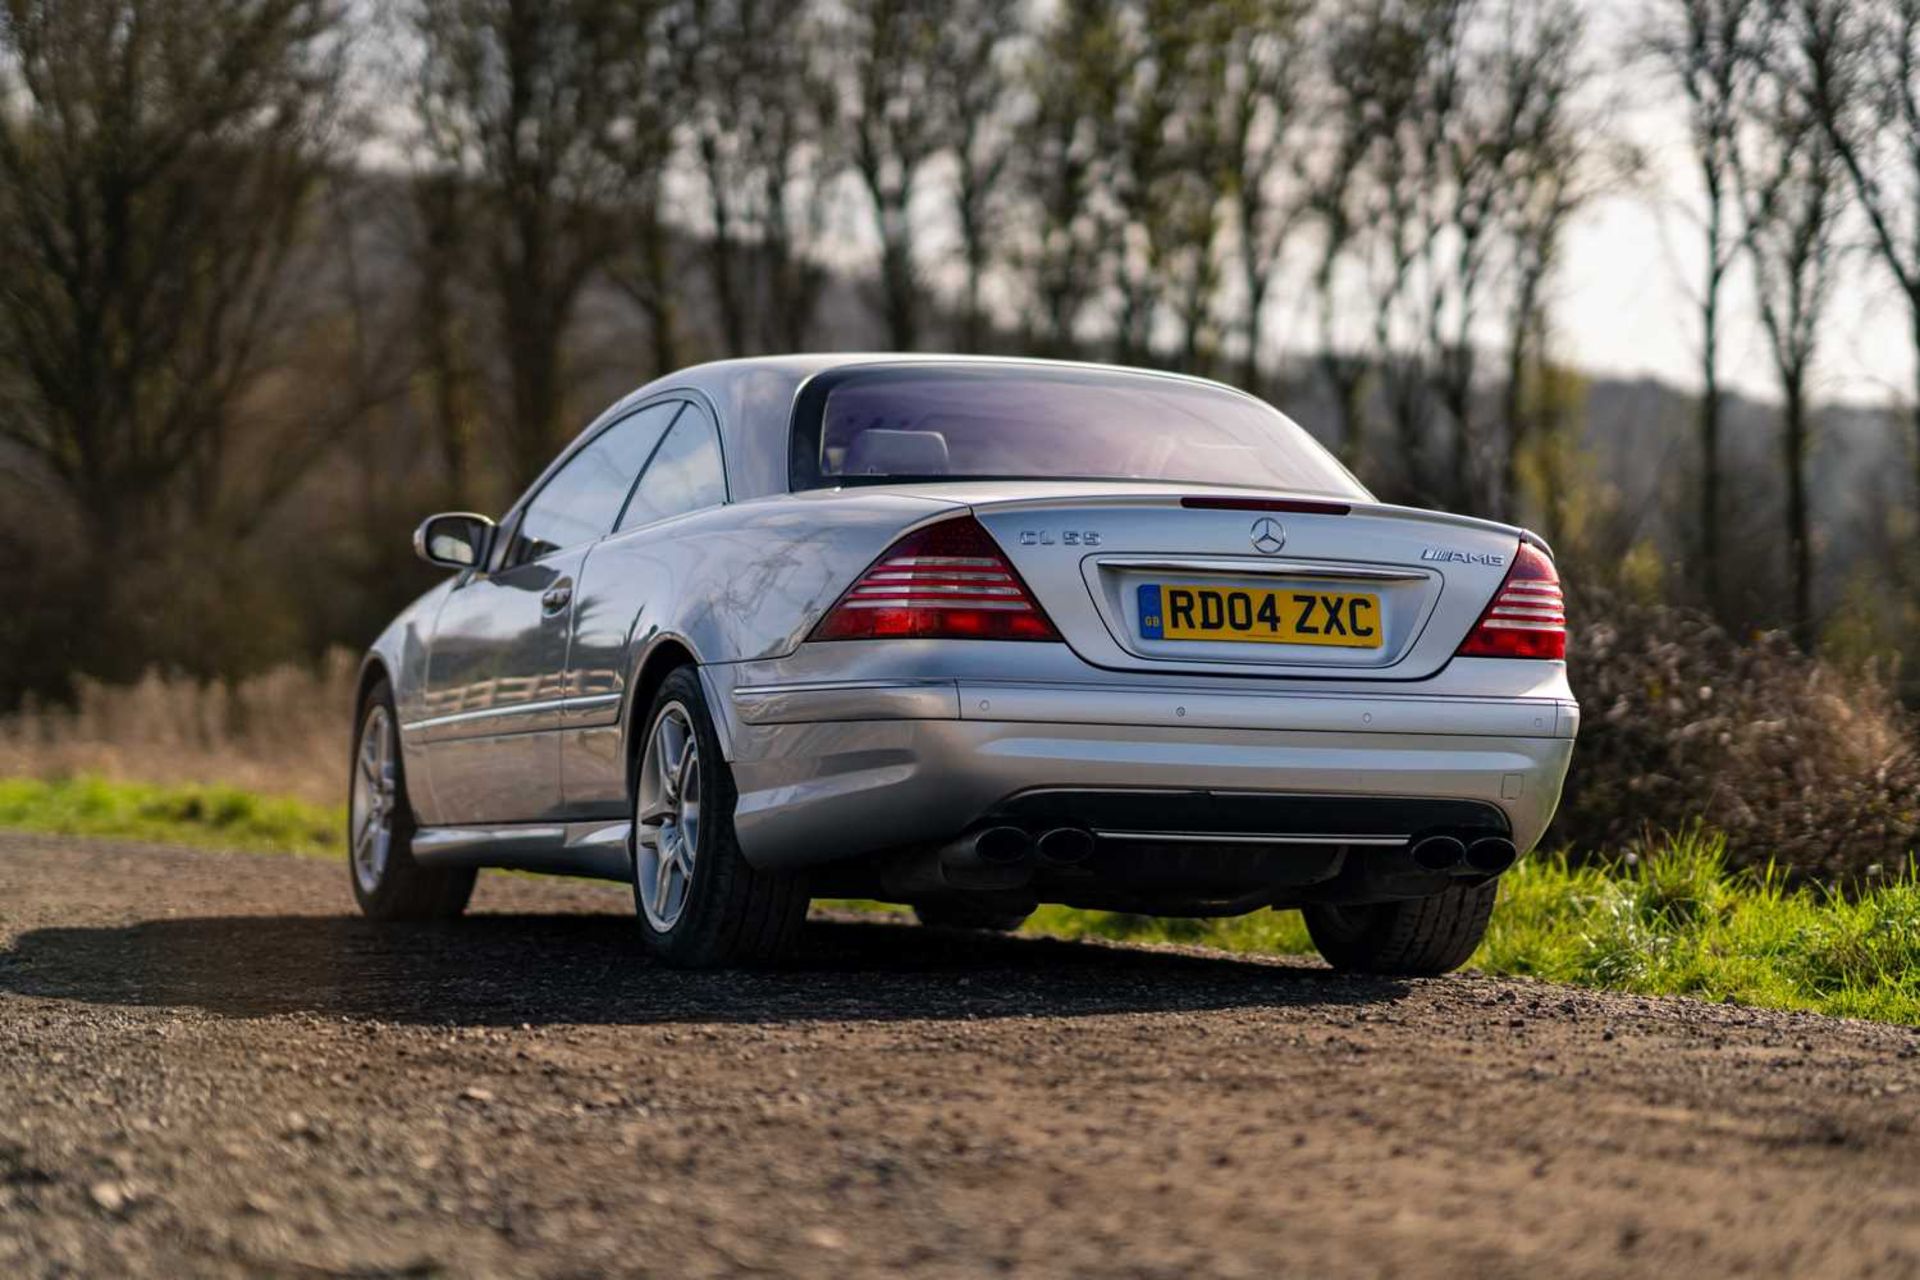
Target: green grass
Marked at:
1669, 920
212, 817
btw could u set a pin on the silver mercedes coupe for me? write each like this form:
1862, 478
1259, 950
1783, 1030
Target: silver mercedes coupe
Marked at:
972, 635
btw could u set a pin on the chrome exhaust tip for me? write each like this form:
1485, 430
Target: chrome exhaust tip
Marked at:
1065, 846
1002, 846
1438, 853
1492, 854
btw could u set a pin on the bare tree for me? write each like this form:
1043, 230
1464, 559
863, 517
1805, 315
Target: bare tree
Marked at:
447, 340
1338, 198
983, 107
1163, 180
1263, 76
1547, 190
1792, 186
659, 94
1518, 85
766, 137
526, 100
1706, 47
1076, 78
1411, 87
1857, 68
158, 159
892, 50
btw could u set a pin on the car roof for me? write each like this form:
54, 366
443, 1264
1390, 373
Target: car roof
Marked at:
753, 397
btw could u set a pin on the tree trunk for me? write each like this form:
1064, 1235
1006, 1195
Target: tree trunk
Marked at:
1799, 530
722, 256
1710, 444
973, 334
663, 320
1512, 411
1913, 304
897, 271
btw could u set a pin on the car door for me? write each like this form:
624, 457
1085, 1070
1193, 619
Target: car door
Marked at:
496, 671
626, 593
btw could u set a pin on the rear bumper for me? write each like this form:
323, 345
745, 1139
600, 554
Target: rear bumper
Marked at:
838, 769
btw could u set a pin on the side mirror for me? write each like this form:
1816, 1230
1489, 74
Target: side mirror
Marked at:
454, 540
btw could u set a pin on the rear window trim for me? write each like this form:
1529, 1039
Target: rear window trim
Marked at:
809, 413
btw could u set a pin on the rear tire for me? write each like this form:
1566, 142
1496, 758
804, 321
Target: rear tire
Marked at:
961, 914
701, 905
1422, 938
387, 882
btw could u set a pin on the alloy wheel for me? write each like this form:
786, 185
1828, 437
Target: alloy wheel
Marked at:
375, 798
667, 831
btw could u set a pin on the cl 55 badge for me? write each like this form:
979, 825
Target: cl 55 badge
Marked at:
1463, 557
1066, 538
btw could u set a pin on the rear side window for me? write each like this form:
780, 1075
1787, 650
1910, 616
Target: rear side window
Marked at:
686, 474
582, 500
1009, 422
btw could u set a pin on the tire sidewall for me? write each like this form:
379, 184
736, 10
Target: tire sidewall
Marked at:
383, 899
714, 842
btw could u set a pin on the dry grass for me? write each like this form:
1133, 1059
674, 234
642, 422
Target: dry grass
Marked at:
283, 732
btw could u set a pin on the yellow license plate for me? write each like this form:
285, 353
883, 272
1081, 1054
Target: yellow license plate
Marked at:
1290, 615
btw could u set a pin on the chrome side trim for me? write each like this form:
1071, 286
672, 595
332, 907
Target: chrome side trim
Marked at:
590, 701
1262, 568
594, 849
1214, 837
433, 844
516, 709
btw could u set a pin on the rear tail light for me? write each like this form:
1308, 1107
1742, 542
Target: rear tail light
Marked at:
948, 581
1528, 616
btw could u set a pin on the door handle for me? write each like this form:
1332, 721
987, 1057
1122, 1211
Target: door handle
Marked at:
557, 597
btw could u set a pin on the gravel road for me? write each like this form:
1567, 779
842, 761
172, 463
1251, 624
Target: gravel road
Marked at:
209, 1067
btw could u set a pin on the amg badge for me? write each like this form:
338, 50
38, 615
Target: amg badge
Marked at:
1449, 556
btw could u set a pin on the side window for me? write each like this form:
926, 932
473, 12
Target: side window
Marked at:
685, 475
582, 500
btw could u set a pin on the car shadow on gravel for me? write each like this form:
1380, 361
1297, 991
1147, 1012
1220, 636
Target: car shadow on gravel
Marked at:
588, 969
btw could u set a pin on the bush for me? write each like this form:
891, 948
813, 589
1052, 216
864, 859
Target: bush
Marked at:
1799, 763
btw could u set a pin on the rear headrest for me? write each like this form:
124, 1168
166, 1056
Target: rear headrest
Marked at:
881, 451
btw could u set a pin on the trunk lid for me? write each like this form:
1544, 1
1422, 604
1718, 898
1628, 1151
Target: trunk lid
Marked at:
1249, 584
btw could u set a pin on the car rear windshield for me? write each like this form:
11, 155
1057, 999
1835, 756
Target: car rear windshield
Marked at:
900, 424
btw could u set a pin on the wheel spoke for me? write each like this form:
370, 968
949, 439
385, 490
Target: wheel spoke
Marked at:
689, 765
663, 873
671, 751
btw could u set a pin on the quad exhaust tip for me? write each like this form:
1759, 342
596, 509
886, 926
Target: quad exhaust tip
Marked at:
1439, 853
1492, 854
1002, 846
1065, 846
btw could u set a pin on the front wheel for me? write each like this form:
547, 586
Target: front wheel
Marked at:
387, 882
1421, 938
701, 904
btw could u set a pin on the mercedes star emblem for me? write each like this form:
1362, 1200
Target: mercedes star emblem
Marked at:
1268, 536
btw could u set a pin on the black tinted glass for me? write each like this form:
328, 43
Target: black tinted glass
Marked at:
1014, 422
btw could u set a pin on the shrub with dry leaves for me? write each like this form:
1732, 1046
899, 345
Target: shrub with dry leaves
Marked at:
1798, 762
